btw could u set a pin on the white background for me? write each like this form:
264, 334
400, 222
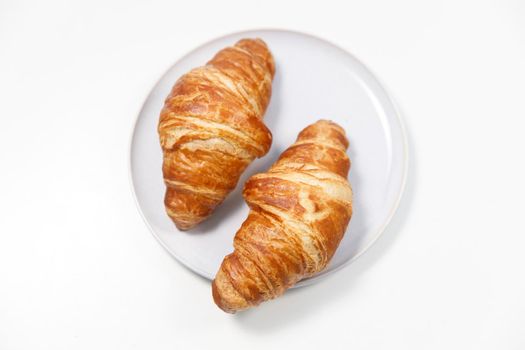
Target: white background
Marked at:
79, 269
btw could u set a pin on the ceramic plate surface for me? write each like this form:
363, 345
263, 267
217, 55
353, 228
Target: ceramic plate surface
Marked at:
314, 79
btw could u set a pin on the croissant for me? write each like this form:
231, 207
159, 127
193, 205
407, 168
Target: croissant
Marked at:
211, 129
299, 211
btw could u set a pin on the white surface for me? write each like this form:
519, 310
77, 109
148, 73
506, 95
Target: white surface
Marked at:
79, 269
326, 83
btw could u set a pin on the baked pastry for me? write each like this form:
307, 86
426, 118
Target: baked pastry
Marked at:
299, 211
211, 128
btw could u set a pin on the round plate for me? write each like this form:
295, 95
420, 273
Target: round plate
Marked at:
314, 79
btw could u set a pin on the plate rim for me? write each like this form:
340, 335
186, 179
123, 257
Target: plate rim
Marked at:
323, 274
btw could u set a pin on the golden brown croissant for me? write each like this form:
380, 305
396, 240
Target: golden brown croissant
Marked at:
211, 129
299, 211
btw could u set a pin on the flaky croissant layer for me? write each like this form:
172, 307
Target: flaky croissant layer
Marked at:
299, 211
211, 129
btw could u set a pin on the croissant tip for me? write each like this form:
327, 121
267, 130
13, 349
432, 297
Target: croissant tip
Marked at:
186, 225
182, 226
256, 39
329, 122
218, 299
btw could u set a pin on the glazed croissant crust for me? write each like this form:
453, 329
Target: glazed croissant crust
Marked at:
211, 129
299, 211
